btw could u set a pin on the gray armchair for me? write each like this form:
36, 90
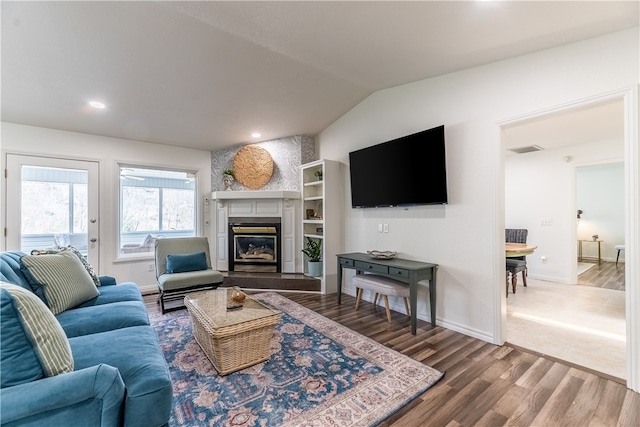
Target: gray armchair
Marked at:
183, 265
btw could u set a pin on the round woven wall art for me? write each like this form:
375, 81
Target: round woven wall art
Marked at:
253, 166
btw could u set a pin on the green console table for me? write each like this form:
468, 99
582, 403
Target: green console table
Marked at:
404, 270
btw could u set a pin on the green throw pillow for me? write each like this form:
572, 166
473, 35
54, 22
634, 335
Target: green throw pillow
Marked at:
30, 329
62, 277
83, 260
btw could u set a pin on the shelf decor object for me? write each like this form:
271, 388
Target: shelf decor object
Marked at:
227, 178
382, 254
313, 251
253, 166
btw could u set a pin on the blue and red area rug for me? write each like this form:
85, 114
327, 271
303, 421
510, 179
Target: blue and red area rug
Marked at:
320, 374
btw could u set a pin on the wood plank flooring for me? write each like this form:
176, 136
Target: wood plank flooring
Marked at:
484, 385
605, 275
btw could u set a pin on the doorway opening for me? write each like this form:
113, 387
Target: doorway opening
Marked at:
553, 315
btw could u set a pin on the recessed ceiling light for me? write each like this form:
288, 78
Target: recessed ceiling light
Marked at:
256, 135
97, 104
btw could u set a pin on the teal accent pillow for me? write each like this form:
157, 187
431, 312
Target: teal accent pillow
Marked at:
182, 263
62, 278
33, 345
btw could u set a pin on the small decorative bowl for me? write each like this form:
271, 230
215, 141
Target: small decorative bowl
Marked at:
382, 254
238, 296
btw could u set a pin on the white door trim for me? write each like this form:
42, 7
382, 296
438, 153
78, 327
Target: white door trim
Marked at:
629, 96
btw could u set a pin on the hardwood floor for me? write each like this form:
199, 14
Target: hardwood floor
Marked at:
484, 385
605, 275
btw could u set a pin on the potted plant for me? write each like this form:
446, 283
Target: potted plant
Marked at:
228, 177
318, 174
313, 251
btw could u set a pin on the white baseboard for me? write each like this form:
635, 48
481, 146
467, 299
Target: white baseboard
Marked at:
148, 289
550, 279
475, 333
397, 306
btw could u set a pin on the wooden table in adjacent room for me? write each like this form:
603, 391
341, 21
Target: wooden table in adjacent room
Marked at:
404, 270
518, 249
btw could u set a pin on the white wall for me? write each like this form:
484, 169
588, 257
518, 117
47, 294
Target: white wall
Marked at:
109, 152
540, 185
466, 237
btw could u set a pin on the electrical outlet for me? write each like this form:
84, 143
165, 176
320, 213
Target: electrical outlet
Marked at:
152, 267
546, 221
385, 228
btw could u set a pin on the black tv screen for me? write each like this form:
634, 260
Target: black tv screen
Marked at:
410, 170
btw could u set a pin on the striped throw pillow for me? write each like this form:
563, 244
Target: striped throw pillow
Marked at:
34, 344
62, 277
83, 260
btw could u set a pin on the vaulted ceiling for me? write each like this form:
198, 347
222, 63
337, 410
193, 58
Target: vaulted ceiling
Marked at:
207, 74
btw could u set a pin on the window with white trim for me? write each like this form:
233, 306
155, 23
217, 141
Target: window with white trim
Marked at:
155, 204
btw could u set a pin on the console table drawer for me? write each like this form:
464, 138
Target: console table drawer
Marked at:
398, 272
365, 266
347, 262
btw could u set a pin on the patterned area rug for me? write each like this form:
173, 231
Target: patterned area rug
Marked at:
320, 374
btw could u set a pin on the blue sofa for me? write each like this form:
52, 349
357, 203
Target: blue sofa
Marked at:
119, 378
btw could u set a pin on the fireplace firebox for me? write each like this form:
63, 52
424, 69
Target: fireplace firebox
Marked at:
254, 245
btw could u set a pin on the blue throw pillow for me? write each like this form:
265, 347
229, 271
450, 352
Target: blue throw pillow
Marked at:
187, 262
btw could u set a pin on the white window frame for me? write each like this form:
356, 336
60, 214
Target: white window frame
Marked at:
120, 166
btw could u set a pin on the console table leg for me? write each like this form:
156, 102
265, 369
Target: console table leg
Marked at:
432, 296
413, 301
339, 278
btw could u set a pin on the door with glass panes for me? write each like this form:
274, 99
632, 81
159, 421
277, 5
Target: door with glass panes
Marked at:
52, 203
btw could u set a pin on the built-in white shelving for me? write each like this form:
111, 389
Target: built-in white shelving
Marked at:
322, 215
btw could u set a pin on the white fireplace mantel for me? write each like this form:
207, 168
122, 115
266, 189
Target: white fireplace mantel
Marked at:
253, 204
253, 195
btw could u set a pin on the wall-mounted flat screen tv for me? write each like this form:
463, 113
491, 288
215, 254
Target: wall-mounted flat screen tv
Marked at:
410, 170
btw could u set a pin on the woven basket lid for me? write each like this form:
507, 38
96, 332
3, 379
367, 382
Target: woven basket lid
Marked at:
253, 166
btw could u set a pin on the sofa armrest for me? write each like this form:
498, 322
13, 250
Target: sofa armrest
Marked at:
107, 281
91, 396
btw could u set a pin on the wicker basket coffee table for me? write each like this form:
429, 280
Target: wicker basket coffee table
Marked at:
231, 339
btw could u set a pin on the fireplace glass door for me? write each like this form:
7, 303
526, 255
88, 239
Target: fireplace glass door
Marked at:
255, 248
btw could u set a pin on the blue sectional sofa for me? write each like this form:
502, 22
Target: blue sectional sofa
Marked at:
119, 376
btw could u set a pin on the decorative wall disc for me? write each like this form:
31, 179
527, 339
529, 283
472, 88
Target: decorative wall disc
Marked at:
253, 166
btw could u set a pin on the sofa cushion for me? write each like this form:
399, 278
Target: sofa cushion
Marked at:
136, 352
103, 317
33, 344
126, 291
62, 278
182, 263
76, 252
169, 282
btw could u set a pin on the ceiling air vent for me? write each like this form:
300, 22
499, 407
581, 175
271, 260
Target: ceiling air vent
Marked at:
527, 149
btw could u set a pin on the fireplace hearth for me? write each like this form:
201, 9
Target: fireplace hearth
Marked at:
254, 245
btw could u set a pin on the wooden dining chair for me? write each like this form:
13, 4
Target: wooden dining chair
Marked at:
517, 235
514, 266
